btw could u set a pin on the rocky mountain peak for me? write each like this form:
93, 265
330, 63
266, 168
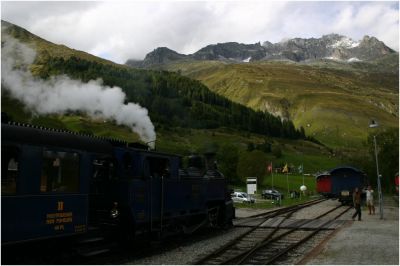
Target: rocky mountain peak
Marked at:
371, 42
368, 39
332, 37
331, 46
230, 51
160, 55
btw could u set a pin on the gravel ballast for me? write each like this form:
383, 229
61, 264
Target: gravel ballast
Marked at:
189, 254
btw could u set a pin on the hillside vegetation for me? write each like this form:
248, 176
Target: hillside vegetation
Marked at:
334, 102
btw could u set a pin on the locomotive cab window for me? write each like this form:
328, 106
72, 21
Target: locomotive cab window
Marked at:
9, 169
60, 172
102, 169
157, 167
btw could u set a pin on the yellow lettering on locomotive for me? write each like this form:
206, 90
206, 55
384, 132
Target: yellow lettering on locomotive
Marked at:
59, 218
59, 227
60, 206
64, 220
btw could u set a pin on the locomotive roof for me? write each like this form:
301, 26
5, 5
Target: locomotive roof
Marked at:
29, 134
151, 152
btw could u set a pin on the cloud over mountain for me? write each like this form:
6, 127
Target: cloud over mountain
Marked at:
122, 30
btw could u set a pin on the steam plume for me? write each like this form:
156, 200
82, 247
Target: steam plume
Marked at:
60, 94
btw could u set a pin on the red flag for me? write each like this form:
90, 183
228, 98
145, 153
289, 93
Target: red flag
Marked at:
269, 167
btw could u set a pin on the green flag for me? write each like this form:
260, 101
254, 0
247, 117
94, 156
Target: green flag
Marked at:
300, 168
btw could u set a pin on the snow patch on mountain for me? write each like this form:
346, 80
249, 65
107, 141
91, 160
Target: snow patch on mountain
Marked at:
333, 58
353, 59
246, 60
345, 42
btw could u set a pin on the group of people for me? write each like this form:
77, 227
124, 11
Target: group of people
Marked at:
357, 202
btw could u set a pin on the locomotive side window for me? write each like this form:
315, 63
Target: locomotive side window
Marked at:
157, 167
60, 172
9, 169
102, 169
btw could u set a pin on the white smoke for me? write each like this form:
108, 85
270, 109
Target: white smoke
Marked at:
60, 94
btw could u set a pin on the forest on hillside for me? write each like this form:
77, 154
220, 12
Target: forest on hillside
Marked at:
174, 100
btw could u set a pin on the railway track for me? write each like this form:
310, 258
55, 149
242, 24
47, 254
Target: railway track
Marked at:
272, 236
123, 257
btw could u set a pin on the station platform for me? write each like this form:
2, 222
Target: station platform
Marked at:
371, 241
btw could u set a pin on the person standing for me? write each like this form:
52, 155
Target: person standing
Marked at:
357, 203
370, 200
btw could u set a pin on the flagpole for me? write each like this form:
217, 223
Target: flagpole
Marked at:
287, 181
302, 173
286, 170
272, 175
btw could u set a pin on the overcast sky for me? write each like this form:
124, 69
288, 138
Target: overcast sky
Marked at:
131, 29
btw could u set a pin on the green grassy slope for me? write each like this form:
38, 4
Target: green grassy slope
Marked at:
333, 102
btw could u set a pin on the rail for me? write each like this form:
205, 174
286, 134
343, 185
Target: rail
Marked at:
256, 232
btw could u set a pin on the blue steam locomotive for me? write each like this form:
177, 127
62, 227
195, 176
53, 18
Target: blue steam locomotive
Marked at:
62, 184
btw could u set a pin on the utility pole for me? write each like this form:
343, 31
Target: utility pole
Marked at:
380, 196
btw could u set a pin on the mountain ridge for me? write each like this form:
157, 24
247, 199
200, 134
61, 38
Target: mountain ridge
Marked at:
331, 46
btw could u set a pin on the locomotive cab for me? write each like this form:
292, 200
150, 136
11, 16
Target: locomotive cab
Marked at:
45, 182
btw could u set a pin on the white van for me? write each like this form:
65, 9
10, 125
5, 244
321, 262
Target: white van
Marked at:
242, 197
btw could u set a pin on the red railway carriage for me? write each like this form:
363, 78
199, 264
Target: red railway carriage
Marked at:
324, 184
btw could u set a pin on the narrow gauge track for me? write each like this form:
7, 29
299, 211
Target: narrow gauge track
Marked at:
145, 248
256, 234
263, 245
125, 255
